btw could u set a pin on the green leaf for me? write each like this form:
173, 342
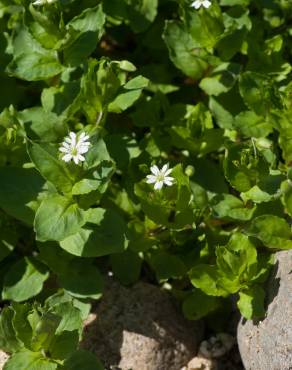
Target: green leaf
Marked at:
251, 302
24, 280
85, 31
167, 266
66, 338
198, 305
228, 206
99, 181
45, 158
8, 339
83, 359
126, 266
19, 189
21, 324
273, 231
104, 234
42, 125
82, 280
252, 125
243, 169
40, 64
258, 92
44, 328
141, 13
236, 262
221, 80
26, 359
205, 277
205, 27
57, 218
185, 53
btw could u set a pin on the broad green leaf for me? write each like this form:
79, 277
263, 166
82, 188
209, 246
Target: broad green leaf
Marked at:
167, 266
103, 234
97, 153
83, 359
46, 159
126, 266
141, 13
85, 30
244, 168
251, 302
221, 80
198, 305
24, 280
205, 27
57, 218
44, 328
8, 340
31, 61
252, 125
184, 51
67, 333
26, 359
205, 277
21, 324
42, 125
287, 198
258, 92
273, 231
98, 182
82, 280
228, 206
236, 262
19, 189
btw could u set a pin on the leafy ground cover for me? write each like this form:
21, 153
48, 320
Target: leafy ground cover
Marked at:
149, 139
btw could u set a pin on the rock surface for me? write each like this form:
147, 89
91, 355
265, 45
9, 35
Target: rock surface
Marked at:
267, 345
141, 329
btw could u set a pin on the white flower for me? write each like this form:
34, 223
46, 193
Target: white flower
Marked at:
43, 2
160, 177
74, 146
198, 3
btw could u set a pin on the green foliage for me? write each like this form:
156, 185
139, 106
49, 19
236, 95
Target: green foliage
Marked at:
44, 337
147, 83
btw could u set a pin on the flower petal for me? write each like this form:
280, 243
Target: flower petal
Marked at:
64, 150
67, 157
206, 3
168, 172
73, 138
82, 149
155, 170
66, 145
76, 159
68, 140
164, 168
168, 182
81, 158
158, 185
151, 179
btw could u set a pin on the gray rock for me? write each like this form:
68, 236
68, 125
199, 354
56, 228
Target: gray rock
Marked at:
139, 328
267, 345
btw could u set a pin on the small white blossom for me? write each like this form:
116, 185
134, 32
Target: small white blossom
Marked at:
43, 2
160, 177
74, 146
198, 3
